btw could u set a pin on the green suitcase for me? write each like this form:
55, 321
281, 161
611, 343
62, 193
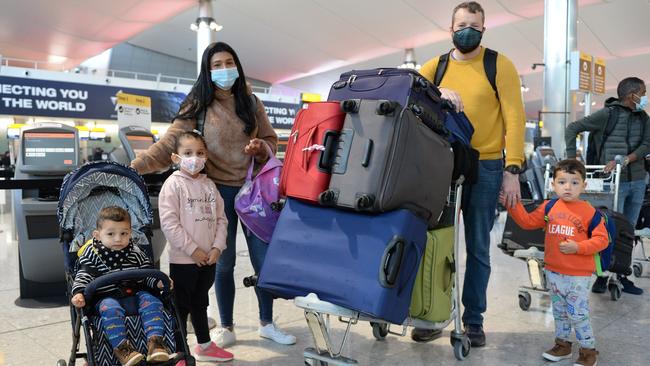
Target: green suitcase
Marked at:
431, 298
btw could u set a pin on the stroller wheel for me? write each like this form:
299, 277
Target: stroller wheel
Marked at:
60, 363
637, 268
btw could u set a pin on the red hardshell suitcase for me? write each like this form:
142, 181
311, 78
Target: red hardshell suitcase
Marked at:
307, 163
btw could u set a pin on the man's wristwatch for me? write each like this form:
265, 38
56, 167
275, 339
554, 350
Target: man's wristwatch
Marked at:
512, 169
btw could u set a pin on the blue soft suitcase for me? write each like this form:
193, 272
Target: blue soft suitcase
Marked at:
405, 86
367, 263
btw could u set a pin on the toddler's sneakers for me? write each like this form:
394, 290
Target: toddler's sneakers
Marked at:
560, 351
127, 355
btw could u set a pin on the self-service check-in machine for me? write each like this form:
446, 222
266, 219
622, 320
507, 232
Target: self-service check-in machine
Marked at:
136, 139
46, 151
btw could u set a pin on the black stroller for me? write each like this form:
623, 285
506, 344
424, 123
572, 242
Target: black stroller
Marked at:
84, 193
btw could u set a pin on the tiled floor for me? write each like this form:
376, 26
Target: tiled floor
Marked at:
42, 336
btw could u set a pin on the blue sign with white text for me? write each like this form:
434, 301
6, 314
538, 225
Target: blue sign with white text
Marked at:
37, 97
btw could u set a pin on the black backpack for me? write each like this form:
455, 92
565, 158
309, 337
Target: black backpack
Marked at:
489, 64
594, 152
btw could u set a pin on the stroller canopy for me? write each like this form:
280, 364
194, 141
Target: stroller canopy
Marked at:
93, 186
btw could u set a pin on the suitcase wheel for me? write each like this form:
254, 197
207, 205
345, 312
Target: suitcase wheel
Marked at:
326, 198
423, 83
364, 202
386, 107
350, 106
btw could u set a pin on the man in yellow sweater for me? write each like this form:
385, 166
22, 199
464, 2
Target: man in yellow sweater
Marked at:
497, 114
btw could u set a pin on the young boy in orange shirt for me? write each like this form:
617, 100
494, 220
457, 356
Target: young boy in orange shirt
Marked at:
568, 258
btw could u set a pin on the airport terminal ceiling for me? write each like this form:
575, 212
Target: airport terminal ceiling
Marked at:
307, 44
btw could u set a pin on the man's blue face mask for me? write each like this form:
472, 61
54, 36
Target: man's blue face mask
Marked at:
224, 78
642, 103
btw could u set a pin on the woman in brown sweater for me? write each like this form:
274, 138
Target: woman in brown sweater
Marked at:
235, 127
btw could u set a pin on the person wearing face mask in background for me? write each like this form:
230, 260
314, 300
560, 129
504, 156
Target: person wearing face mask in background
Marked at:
497, 114
235, 127
628, 135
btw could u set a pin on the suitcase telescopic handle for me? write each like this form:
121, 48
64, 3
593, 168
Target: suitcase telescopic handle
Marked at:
391, 262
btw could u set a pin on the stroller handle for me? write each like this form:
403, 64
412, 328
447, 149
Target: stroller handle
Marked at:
129, 275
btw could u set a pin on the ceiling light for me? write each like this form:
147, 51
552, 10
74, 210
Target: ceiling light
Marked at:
207, 22
409, 60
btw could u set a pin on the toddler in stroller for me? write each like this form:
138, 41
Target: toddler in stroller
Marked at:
121, 303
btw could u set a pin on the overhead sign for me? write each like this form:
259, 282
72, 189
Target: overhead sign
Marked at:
37, 97
133, 110
281, 115
599, 76
581, 71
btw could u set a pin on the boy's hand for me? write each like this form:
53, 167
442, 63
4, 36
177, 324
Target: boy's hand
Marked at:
78, 300
160, 284
199, 257
213, 256
569, 247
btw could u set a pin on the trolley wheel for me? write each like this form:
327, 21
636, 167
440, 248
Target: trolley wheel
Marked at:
60, 363
461, 348
379, 330
524, 301
637, 268
614, 292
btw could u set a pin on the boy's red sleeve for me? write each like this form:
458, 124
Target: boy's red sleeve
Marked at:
528, 221
598, 241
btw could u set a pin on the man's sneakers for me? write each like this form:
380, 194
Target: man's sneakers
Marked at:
225, 338
272, 332
588, 357
475, 334
600, 285
560, 351
211, 353
425, 335
628, 286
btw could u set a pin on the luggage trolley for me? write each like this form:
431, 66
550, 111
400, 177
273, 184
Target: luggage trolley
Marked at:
318, 312
601, 190
637, 262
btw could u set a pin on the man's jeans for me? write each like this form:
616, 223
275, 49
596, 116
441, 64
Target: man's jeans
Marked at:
630, 199
479, 211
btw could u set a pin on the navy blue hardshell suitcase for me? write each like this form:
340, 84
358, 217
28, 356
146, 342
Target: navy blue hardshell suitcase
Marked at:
405, 86
367, 263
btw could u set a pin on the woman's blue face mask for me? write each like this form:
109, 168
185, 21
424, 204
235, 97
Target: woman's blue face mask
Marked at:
224, 78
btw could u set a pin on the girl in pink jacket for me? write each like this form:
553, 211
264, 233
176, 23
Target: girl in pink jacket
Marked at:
193, 220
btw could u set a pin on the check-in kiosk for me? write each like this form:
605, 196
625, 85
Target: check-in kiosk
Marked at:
136, 139
46, 152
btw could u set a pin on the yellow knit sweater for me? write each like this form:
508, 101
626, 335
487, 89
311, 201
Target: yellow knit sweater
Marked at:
498, 123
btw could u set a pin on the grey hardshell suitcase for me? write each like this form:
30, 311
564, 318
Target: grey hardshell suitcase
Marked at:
388, 159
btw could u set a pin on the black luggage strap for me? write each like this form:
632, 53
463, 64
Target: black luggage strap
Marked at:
489, 64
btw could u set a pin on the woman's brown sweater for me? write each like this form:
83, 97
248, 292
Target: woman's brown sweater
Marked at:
224, 134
